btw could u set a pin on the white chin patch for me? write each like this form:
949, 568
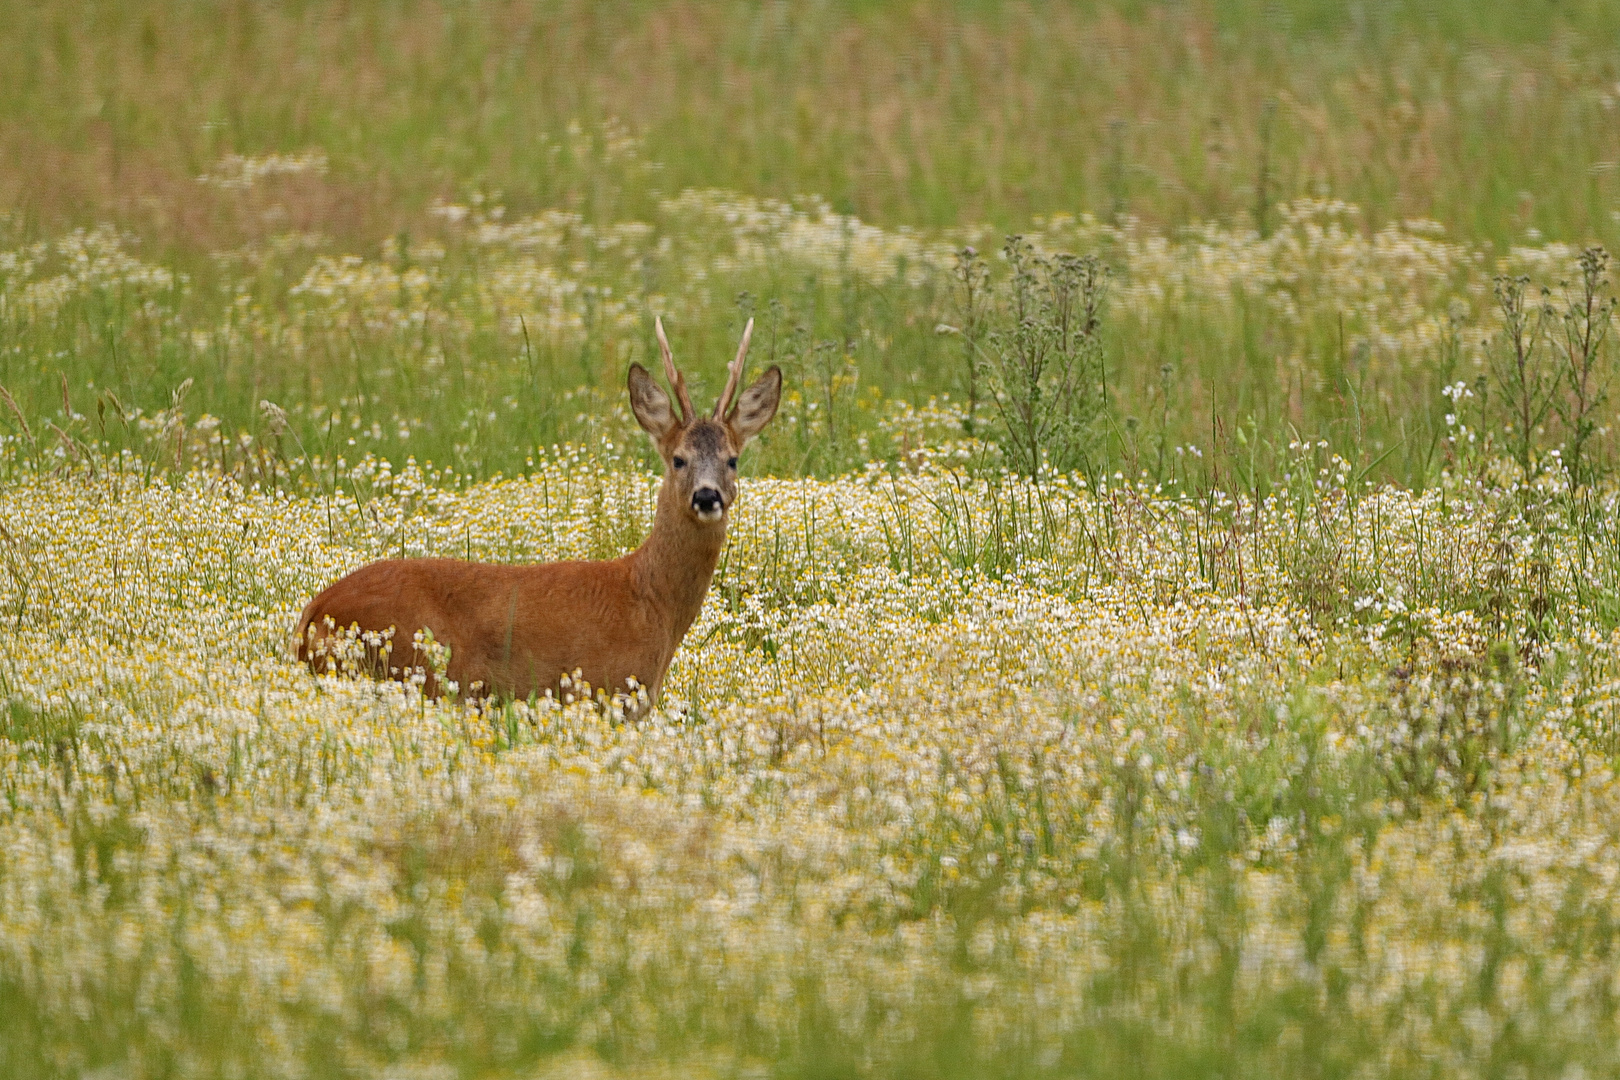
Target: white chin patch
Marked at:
710, 515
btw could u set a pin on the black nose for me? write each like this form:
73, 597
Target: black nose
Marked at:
706, 500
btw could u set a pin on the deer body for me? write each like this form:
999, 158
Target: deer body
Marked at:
518, 630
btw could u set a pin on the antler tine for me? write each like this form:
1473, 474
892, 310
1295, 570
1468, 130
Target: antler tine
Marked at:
734, 373
677, 381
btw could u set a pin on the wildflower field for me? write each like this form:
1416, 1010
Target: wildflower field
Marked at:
1172, 626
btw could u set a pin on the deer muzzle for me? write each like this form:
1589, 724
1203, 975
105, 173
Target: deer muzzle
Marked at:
708, 504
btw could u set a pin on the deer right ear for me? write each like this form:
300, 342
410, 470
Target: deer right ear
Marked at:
757, 404
650, 404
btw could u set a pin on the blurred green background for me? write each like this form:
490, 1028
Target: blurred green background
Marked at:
1490, 116
1498, 120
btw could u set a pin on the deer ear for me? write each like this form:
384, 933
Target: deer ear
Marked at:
650, 404
757, 404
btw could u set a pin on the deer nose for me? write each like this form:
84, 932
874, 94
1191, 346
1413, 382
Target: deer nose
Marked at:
707, 502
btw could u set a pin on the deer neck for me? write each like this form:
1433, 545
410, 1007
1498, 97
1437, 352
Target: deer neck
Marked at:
676, 562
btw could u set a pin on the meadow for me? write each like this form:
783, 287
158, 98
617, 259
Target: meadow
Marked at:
1181, 640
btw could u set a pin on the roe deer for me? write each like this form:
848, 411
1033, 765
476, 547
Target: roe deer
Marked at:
519, 630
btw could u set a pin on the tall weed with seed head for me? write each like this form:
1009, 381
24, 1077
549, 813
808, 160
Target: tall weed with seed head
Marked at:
971, 299
1524, 382
1581, 340
1046, 361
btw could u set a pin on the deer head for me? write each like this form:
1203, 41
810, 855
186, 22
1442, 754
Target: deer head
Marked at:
700, 452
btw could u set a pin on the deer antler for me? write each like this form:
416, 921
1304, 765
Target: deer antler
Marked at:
677, 381
734, 373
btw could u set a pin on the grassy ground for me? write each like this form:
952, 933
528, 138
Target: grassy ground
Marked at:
1268, 730
954, 778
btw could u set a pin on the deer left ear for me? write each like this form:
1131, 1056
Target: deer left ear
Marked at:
650, 404
757, 405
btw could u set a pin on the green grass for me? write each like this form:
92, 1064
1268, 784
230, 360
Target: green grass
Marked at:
1501, 121
1435, 664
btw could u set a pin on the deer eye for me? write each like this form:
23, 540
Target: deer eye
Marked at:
731, 463
680, 462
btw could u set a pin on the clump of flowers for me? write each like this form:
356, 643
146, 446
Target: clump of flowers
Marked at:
1039, 762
